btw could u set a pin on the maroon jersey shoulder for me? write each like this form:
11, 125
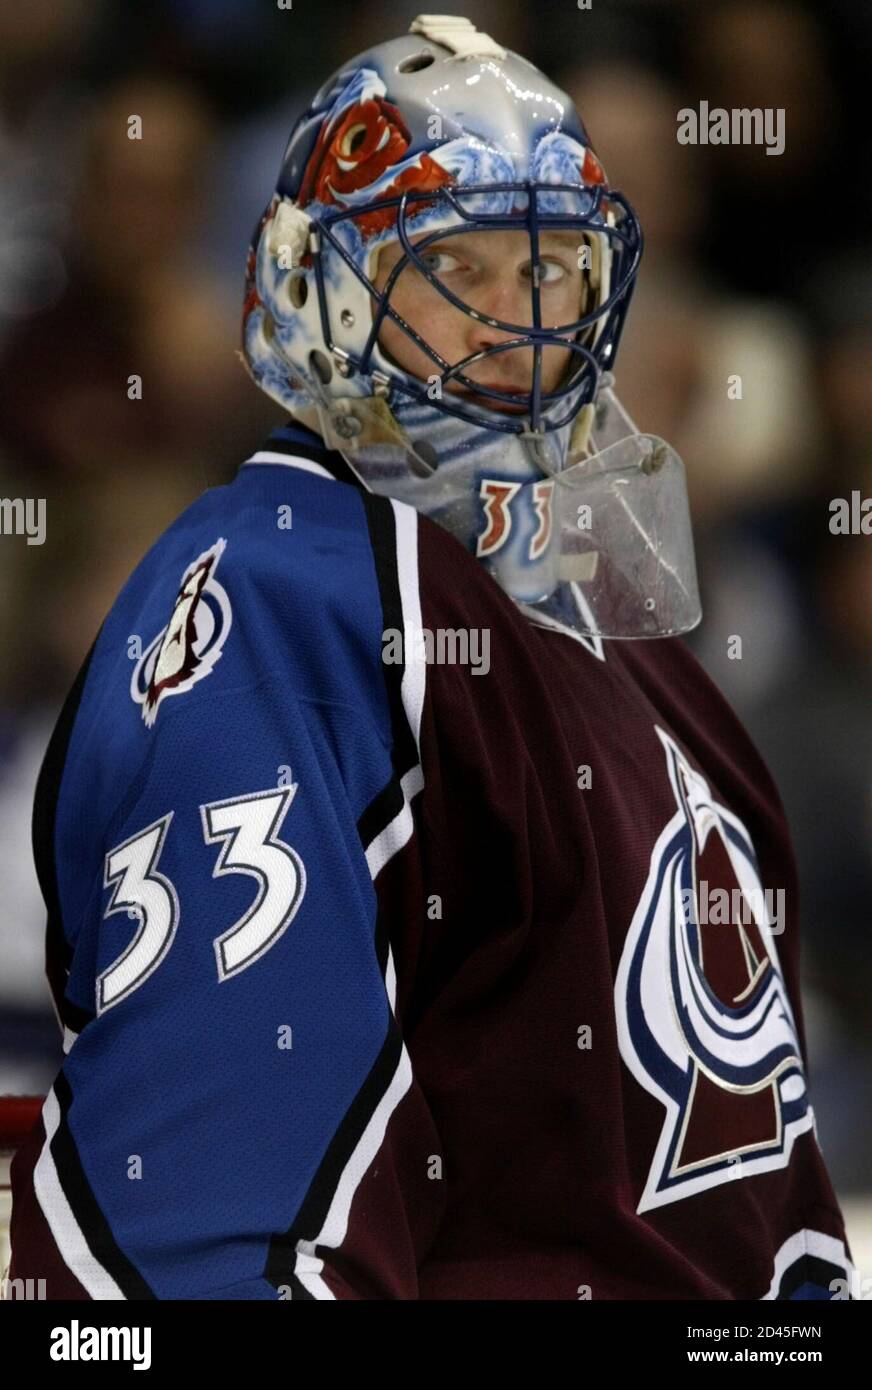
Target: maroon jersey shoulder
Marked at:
609, 1028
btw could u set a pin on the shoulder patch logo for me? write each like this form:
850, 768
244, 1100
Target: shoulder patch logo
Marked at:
704, 1019
187, 649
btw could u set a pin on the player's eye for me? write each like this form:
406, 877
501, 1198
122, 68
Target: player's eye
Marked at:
551, 272
440, 262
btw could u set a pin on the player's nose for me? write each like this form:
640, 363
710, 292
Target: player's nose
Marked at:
503, 298
497, 303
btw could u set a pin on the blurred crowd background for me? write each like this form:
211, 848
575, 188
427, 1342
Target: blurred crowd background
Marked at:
121, 257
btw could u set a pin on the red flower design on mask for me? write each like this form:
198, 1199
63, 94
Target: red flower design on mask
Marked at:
591, 170
252, 298
369, 137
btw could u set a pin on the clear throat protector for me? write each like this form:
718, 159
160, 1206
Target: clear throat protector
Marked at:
586, 527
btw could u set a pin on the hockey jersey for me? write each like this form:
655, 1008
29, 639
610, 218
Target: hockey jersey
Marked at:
407, 946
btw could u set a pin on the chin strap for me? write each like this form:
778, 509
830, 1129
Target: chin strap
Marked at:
366, 420
581, 427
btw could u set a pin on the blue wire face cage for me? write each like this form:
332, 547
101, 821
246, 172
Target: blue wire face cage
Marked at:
588, 362
460, 146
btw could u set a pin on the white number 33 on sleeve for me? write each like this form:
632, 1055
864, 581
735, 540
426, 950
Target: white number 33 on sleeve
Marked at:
247, 829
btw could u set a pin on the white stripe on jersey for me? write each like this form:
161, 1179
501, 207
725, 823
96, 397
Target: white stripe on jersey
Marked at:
61, 1220
307, 465
308, 1267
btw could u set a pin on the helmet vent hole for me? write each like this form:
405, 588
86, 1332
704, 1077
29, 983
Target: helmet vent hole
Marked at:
298, 291
321, 366
417, 62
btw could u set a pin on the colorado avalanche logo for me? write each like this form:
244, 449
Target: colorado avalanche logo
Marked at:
191, 643
704, 1019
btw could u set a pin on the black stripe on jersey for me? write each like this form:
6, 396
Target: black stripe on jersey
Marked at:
58, 952
74, 1017
310, 1219
86, 1209
809, 1269
378, 815
380, 812
383, 538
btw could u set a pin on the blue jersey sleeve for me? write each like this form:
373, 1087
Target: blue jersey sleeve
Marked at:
237, 1114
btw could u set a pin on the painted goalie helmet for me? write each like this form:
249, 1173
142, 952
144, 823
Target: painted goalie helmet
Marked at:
432, 140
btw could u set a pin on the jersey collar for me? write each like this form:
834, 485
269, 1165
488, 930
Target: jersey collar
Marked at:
296, 446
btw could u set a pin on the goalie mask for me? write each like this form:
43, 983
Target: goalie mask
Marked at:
439, 164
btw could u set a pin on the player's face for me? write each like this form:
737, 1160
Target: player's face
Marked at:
492, 273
